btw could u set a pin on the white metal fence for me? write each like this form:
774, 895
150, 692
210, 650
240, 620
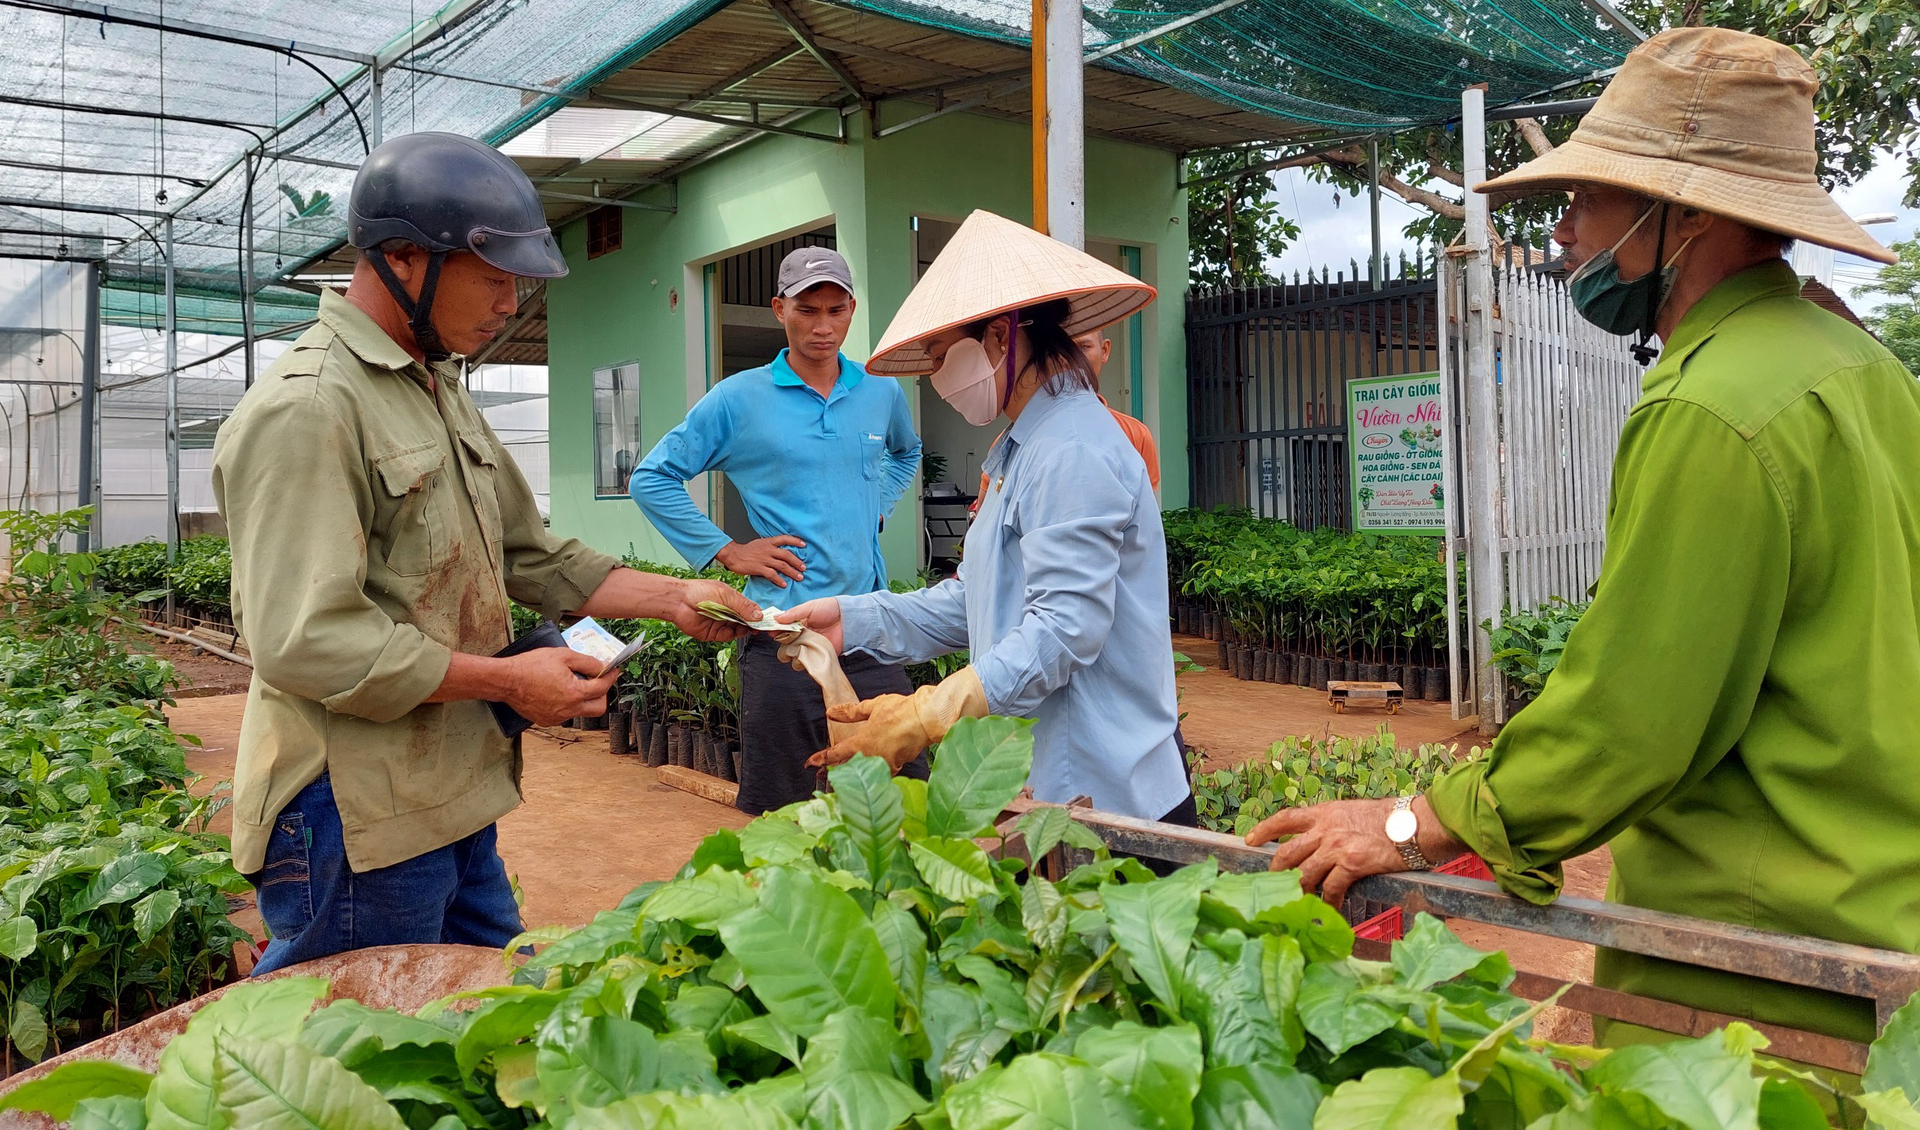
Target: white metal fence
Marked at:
1549, 414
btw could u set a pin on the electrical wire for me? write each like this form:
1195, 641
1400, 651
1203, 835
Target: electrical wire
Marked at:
365, 147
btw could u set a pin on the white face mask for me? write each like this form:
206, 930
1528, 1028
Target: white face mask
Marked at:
967, 380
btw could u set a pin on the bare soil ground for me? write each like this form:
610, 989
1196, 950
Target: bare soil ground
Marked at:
596, 825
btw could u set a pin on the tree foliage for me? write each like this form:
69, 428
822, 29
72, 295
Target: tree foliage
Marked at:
1866, 54
1234, 226
1898, 322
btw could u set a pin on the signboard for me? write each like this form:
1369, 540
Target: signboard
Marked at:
1396, 435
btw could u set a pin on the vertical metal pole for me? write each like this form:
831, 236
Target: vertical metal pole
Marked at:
89, 408
1040, 115
374, 123
173, 417
1483, 413
1373, 203
1066, 124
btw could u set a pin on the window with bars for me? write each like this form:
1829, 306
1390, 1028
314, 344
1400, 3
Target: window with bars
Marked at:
603, 231
616, 428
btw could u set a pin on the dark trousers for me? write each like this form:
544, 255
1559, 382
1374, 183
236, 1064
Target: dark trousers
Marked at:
783, 721
316, 904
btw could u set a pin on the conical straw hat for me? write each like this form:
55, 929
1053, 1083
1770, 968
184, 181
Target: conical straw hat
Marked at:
993, 265
1712, 119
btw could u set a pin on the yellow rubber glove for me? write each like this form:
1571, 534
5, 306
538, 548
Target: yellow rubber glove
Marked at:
897, 726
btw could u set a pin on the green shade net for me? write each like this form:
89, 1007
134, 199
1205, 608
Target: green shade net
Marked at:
213, 310
1348, 65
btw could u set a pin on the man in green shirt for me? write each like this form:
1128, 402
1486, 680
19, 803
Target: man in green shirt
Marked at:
379, 530
1737, 712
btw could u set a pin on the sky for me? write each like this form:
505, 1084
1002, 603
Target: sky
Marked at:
1333, 234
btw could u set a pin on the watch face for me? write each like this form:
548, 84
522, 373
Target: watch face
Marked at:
1401, 826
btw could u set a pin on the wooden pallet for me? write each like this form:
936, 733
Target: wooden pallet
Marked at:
1342, 691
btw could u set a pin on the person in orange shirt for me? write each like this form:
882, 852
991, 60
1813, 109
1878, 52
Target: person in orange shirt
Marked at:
1099, 348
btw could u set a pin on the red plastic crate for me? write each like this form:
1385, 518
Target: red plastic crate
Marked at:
1390, 925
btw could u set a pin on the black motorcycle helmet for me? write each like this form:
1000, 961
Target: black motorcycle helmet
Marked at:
444, 192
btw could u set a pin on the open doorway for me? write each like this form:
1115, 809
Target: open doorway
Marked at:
748, 336
955, 449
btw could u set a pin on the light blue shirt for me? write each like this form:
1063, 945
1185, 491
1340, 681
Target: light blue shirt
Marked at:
1062, 600
827, 470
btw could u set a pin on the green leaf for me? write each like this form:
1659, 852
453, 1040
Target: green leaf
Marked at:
808, 952
962, 1031
1044, 1092
983, 764
861, 1100
770, 840
284, 1086
182, 1095
1703, 1084
1043, 829
1786, 1105
1335, 1005
55, 1093
957, 870
1889, 1110
1241, 900
597, 1062
1154, 924
905, 944
854, 1041
1043, 912
351, 1032
1255, 1096
1894, 1059
770, 1034
125, 878
913, 806
18, 937
1158, 1069
870, 808
152, 913
501, 1022
608, 935
113, 1112
27, 1028
1282, 965
667, 1111
1430, 953
1393, 1098
701, 901
721, 849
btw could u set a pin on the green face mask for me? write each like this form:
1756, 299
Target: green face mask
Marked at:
1623, 306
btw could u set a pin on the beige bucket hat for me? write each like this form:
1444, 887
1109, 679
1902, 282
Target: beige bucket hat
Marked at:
993, 265
1713, 119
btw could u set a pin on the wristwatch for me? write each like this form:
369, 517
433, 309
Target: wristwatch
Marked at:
1402, 826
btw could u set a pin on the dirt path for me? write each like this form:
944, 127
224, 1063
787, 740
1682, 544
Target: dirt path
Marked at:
1232, 720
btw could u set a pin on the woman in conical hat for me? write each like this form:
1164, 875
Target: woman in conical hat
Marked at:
1061, 599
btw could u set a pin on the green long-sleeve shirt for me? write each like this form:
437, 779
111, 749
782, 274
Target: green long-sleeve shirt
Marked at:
1739, 710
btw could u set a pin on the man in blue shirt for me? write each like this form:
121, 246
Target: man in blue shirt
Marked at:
819, 452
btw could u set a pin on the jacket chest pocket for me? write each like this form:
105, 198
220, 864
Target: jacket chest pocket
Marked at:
483, 468
412, 518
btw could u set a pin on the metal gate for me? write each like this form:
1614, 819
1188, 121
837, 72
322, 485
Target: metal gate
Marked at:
1267, 369
1533, 442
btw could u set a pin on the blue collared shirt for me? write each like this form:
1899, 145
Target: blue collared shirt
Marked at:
1062, 599
826, 470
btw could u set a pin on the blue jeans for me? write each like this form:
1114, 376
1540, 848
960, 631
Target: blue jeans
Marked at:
317, 905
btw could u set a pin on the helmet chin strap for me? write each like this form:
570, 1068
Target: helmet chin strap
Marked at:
419, 313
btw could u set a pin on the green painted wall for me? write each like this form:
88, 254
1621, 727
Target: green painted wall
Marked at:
643, 302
